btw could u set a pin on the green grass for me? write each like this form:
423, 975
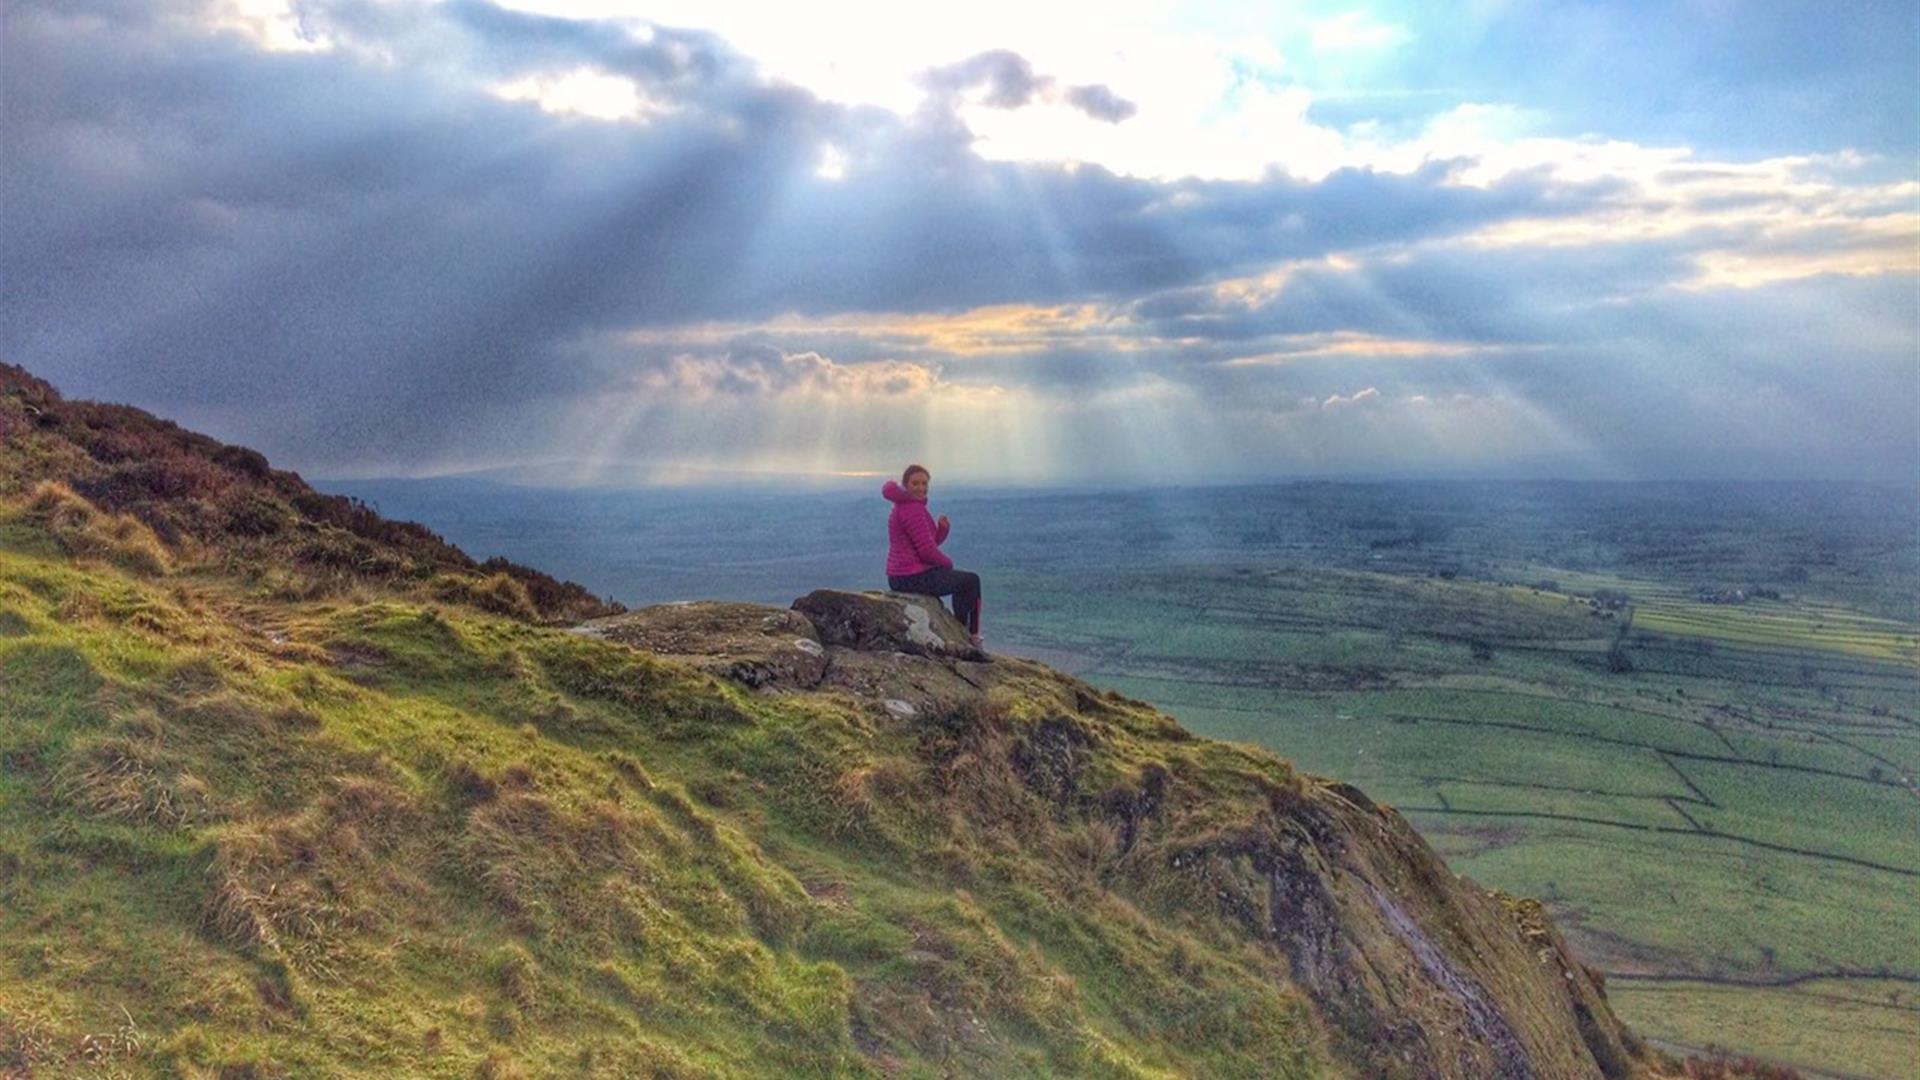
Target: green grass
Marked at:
1638, 901
1874, 1023
383, 836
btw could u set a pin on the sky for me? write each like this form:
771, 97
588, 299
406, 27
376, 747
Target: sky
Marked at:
603, 242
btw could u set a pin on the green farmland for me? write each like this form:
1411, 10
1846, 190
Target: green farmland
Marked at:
1716, 799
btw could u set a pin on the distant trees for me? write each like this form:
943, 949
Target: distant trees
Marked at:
1617, 660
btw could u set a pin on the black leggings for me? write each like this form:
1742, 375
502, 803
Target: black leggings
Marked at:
962, 585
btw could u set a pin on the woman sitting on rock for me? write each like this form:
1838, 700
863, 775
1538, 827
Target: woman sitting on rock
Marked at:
915, 563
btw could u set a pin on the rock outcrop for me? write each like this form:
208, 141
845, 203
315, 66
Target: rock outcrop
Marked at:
893, 652
1413, 971
886, 622
1417, 972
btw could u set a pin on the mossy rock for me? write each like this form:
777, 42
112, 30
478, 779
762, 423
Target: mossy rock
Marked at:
761, 647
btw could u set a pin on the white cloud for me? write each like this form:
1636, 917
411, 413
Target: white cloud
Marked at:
583, 92
759, 372
1360, 397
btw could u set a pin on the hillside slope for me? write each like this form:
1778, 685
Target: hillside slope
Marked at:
187, 496
273, 819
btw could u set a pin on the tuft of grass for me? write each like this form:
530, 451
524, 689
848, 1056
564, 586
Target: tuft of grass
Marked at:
84, 531
517, 974
254, 513
134, 780
27, 1040
499, 593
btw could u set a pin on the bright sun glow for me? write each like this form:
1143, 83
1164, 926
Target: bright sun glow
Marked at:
833, 163
273, 25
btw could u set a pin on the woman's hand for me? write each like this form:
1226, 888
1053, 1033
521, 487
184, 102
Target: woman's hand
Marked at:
942, 521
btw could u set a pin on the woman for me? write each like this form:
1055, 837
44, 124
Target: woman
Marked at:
915, 563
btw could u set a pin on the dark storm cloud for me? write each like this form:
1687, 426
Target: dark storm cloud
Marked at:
486, 39
997, 233
187, 217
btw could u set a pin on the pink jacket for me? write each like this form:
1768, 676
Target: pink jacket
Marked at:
913, 540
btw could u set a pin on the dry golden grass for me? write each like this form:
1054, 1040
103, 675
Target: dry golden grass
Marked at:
133, 780
86, 532
498, 593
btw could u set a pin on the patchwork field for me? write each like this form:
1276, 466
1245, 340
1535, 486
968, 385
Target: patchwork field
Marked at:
1717, 800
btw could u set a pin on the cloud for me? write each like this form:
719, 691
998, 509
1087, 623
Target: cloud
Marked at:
1358, 397
583, 92
1100, 103
770, 373
357, 210
1007, 79
359, 249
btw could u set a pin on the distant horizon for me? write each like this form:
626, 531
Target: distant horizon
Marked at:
769, 544
757, 483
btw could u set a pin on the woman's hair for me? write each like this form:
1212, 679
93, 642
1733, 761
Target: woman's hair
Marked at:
907, 477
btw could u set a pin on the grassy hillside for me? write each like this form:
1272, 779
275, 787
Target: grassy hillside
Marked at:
339, 837
152, 493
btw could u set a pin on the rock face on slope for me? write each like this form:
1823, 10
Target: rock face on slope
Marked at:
1412, 971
